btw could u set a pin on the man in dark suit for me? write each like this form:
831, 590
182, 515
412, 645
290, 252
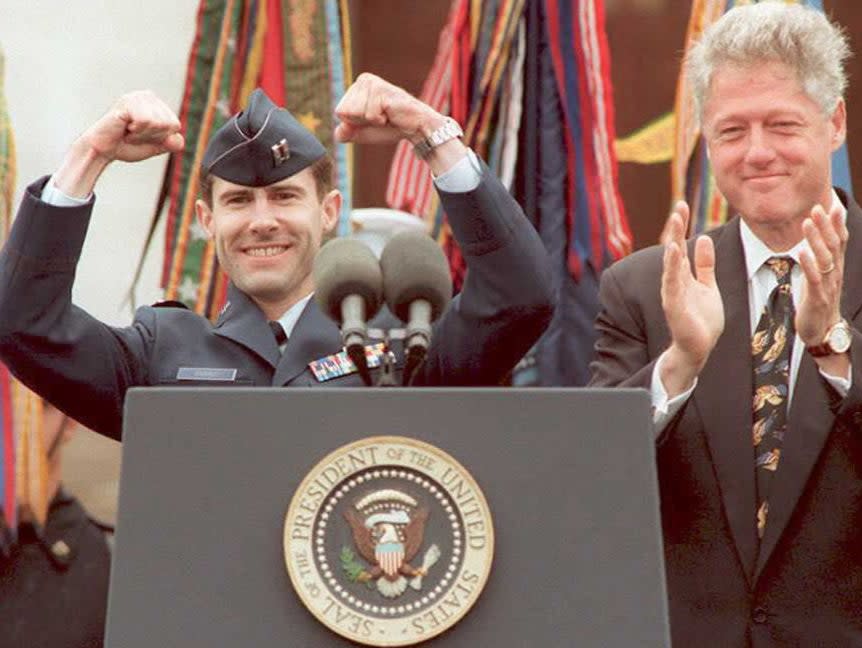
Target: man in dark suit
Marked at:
749, 341
267, 205
54, 576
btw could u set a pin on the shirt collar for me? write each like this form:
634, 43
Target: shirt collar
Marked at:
757, 252
291, 316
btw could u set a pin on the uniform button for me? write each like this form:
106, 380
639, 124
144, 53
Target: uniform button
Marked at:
759, 615
60, 550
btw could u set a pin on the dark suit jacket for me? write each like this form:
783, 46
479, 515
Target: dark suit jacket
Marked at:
55, 599
84, 367
803, 585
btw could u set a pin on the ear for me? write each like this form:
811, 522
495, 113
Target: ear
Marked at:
838, 122
205, 217
331, 208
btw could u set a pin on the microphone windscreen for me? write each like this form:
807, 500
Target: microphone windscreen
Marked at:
343, 267
414, 267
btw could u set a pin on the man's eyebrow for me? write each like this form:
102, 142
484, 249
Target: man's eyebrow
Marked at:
232, 193
782, 111
287, 186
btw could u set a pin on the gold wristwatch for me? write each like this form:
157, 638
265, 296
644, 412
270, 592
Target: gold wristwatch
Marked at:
836, 340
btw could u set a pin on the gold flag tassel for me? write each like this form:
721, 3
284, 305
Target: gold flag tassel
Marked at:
32, 461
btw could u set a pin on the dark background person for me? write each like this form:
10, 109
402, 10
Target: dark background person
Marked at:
267, 218
749, 342
54, 578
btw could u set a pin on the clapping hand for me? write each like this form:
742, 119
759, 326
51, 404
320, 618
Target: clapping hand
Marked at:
692, 304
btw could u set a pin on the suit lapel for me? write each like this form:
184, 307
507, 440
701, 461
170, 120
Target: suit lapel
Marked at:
723, 397
243, 322
314, 336
811, 420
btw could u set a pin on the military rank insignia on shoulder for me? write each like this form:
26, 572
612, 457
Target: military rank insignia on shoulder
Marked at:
388, 541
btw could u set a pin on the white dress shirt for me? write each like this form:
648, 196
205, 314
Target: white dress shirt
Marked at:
291, 317
761, 281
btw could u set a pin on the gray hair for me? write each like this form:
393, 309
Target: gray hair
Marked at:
798, 36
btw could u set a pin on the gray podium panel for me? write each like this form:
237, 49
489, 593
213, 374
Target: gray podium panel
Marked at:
208, 476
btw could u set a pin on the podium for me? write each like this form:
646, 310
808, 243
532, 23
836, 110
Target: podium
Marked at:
208, 476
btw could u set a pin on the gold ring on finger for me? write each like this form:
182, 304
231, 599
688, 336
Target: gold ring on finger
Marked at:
825, 271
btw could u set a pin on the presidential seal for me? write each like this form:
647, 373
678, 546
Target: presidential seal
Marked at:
388, 541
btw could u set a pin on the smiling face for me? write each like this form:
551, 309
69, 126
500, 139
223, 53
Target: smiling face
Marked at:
770, 146
266, 238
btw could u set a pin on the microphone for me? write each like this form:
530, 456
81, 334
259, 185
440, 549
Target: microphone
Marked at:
349, 288
417, 286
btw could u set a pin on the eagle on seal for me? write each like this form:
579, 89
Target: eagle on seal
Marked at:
388, 529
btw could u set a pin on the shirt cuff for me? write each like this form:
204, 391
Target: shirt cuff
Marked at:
839, 384
53, 196
463, 177
664, 408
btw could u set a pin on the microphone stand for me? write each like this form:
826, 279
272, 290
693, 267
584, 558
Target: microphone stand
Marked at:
413, 357
387, 369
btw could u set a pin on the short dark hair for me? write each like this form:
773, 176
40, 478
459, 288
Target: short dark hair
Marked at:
322, 170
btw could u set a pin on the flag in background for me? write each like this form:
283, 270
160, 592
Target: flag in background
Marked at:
529, 81
23, 457
298, 51
7, 159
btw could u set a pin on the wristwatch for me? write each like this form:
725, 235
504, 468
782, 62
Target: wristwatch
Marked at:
448, 131
837, 340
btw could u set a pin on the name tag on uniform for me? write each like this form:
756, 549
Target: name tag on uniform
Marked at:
207, 374
339, 364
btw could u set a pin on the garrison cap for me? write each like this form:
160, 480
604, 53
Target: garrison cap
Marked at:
261, 145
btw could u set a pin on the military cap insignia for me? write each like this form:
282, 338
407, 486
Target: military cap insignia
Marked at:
388, 541
280, 152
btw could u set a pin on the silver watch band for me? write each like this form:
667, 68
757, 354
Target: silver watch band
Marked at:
448, 131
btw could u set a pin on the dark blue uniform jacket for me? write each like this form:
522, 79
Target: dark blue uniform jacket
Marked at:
84, 366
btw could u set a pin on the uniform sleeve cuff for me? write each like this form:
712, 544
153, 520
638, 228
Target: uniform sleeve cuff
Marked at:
463, 177
53, 196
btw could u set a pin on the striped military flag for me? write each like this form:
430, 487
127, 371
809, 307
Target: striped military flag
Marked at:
8, 500
529, 80
410, 185
23, 457
7, 160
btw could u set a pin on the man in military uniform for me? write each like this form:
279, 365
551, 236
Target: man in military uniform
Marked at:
267, 205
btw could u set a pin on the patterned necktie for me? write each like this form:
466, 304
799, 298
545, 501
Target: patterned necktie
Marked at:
278, 332
771, 348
